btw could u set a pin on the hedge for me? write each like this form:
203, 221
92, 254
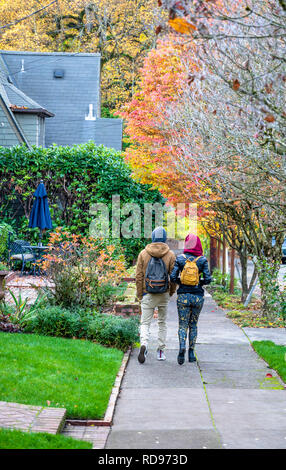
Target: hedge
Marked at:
75, 178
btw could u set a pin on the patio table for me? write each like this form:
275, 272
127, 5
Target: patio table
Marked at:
39, 252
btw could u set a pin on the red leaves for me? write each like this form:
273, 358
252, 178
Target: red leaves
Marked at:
190, 79
269, 88
158, 30
235, 84
269, 118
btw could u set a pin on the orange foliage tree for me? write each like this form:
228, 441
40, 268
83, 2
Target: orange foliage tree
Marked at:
150, 154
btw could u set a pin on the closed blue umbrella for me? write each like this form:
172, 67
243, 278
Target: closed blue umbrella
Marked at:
40, 215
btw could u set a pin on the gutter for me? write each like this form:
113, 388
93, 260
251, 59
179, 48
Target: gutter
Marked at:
40, 111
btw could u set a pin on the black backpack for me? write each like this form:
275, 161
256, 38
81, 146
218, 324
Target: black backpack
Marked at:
156, 276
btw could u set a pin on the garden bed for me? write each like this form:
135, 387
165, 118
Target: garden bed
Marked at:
244, 316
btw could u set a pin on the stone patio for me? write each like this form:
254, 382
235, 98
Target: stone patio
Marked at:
27, 285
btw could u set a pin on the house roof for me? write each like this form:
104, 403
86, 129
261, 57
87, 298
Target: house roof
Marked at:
21, 103
64, 83
15, 99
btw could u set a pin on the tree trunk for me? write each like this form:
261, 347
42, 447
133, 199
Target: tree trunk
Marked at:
244, 283
270, 295
223, 255
231, 286
218, 253
213, 254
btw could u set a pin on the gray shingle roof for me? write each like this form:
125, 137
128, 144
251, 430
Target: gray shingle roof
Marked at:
69, 97
14, 97
18, 99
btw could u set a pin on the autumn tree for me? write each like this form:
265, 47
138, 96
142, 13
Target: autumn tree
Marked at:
230, 123
224, 125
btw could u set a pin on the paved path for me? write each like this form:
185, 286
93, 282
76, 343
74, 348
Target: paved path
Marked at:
224, 400
97, 435
26, 285
31, 418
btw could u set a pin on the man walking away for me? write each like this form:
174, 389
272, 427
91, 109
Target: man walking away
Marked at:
153, 289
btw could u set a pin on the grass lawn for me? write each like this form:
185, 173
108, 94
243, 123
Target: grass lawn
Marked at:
274, 355
12, 439
46, 371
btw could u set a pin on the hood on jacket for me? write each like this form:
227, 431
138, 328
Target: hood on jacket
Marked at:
159, 235
157, 249
193, 245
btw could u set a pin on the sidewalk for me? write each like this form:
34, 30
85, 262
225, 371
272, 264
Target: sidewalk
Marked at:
223, 401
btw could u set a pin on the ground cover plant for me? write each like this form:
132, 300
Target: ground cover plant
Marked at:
73, 374
14, 439
249, 316
273, 354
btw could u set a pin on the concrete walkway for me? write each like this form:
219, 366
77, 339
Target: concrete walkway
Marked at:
225, 400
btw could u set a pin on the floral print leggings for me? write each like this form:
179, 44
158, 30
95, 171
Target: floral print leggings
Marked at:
189, 309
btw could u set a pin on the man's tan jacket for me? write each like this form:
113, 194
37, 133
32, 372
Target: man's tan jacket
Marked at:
158, 250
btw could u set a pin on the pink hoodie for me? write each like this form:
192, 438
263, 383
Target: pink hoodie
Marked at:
193, 245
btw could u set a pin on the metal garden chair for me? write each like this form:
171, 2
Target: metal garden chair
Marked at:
20, 250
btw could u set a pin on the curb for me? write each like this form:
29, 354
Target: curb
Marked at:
108, 417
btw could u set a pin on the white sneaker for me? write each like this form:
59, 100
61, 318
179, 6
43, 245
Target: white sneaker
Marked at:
161, 355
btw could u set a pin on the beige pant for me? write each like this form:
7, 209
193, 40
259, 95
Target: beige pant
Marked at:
148, 304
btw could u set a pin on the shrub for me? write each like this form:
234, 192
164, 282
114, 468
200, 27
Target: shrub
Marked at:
84, 270
57, 321
4, 233
114, 331
105, 329
222, 280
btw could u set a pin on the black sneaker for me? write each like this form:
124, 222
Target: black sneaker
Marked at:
181, 356
142, 354
192, 357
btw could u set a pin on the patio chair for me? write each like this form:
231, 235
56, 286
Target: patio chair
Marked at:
20, 250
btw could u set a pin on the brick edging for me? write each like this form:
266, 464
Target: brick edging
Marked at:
11, 276
108, 417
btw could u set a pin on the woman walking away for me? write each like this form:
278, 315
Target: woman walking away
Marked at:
187, 272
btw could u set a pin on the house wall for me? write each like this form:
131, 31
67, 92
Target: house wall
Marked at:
30, 126
108, 132
8, 137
